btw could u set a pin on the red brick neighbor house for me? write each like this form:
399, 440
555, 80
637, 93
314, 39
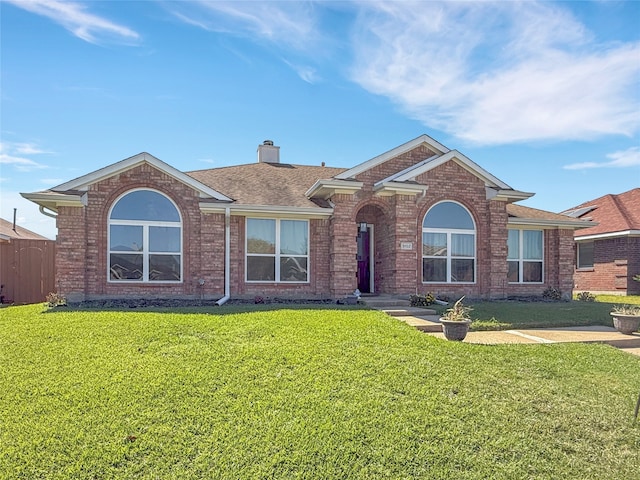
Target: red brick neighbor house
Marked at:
608, 252
418, 218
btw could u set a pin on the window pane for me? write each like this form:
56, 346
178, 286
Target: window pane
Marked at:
448, 215
532, 271
434, 269
125, 238
462, 245
164, 267
145, 205
293, 237
585, 254
125, 266
514, 272
293, 269
434, 244
261, 235
261, 269
462, 270
532, 244
164, 239
513, 245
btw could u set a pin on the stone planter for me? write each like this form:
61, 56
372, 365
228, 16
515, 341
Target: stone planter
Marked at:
455, 330
626, 324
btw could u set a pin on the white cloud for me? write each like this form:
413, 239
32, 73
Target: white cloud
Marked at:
74, 17
12, 154
620, 159
495, 73
290, 24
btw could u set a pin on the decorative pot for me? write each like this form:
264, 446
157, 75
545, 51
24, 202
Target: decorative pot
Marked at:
626, 324
455, 330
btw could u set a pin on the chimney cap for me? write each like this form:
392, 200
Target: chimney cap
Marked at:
268, 142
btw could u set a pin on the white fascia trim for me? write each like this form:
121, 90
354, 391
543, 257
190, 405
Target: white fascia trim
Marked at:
507, 195
405, 147
325, 188
384, 189
462, 160
267, 210
597, 236
514, 221
54, 200
82, 183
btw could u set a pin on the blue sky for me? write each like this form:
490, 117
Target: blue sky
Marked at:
543, 95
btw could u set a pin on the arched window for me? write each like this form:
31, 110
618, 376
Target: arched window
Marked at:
448, 244
145, 239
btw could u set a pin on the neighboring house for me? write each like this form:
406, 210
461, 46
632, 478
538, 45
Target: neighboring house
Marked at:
608, 252
418, 218
27, 264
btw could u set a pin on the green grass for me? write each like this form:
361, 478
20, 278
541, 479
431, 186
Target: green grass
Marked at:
505, 315
311, 393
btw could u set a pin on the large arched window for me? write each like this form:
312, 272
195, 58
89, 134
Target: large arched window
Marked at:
145, 239
448, 244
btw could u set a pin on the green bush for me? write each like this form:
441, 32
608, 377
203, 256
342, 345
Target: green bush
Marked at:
422, 300
586, 297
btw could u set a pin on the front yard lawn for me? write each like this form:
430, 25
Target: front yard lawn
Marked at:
306, 393
505, 315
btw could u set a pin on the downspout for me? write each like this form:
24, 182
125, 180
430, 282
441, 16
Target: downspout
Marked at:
227, 255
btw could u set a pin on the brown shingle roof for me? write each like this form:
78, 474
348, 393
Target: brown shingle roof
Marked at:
522, 212
613, 213
6, 230
279, 184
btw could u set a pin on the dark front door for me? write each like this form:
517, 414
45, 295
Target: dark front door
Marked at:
364, 260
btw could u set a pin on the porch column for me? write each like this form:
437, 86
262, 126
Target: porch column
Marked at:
342, 247
495, 274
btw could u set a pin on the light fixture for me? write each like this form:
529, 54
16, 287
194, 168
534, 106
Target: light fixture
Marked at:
363, 226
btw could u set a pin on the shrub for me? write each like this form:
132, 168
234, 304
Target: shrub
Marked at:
422, 300
55, 300
586, 297
552, 293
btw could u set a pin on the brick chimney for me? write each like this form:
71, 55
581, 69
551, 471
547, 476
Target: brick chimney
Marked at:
268, 153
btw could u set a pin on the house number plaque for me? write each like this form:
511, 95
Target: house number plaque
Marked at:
406, 246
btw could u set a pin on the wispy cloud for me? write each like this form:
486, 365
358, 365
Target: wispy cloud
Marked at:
621, 159
74, 17
285, 23
495, 73
291, 26
12, 154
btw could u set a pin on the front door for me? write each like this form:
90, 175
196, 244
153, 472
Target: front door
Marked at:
365, 267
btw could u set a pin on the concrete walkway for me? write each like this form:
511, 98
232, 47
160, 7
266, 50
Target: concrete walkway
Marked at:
427, 321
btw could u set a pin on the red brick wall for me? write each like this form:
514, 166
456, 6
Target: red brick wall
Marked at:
397, 219
616, 261
82, 241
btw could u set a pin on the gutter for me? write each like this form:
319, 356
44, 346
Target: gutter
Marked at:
227, 259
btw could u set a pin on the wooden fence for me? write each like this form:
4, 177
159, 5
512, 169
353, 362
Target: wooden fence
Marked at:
27, 270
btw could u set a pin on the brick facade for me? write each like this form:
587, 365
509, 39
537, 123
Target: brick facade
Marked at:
397, 239
615, 262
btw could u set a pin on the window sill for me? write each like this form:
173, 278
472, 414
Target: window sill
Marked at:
585, 269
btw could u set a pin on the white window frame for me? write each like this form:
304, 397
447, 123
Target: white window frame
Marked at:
145, 224
593, 246
521, 258
450, 232
277, 255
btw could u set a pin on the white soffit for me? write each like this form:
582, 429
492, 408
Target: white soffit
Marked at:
434, 145
82, 183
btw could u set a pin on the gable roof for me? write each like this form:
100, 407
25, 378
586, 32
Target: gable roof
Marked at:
612, 215
7, 232
82, 183
426, 140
